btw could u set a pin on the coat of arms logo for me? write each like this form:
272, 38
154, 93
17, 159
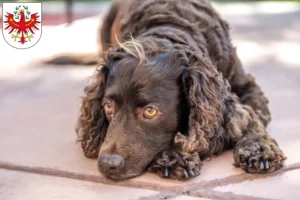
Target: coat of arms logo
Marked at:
22, 24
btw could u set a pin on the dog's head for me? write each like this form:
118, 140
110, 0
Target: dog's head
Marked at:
140, 98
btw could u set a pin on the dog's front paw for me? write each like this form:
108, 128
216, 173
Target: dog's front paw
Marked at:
171, 164
258, 156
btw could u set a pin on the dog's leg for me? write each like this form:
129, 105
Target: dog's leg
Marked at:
255, 151
249, 92
176, 164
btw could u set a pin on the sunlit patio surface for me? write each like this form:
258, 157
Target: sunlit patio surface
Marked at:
39, 156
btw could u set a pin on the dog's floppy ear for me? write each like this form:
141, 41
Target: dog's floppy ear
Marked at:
202, 88
92, 123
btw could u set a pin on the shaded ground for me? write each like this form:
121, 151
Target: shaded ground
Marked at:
39, 105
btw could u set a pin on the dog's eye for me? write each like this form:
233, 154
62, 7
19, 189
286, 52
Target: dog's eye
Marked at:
108, 108
150, 112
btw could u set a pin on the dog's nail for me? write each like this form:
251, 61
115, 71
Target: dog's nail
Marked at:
250, 164
184, 159
197, 170
267, 164
192, 173
261, 165
166, 174
185, 174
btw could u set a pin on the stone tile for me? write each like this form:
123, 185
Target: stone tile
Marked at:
286, 132
284, 186
284, 99
38, 114
25, 186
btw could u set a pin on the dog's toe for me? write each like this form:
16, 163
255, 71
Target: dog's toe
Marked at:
267, 165
192, 173
185, 174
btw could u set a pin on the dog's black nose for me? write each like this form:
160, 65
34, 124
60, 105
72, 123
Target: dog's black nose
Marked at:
111, 162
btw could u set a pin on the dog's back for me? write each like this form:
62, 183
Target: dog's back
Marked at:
191, 22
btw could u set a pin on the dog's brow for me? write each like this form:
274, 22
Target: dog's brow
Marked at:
151, 97
142, 101
112, 94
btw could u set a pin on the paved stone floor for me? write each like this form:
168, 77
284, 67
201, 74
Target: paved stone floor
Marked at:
39, 156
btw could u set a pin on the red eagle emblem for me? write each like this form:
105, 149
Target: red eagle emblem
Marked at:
24, 26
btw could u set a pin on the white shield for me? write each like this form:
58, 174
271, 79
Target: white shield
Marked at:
22, 24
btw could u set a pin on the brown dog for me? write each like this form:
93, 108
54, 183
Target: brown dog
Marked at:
173, 95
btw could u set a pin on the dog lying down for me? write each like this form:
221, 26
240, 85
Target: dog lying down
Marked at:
171, 92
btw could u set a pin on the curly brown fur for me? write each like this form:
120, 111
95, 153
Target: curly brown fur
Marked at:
182, 64
92, 123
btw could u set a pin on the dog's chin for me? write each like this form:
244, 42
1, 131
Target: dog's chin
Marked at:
119, 176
